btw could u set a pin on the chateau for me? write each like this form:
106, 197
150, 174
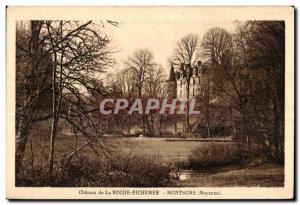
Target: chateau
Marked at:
178, 81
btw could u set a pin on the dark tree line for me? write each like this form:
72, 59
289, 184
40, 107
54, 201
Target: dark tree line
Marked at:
244, 71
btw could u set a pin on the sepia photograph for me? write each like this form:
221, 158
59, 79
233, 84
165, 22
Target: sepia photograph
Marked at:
150, 102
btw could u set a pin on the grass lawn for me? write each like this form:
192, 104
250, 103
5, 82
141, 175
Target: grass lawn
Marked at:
167, 150
261, 176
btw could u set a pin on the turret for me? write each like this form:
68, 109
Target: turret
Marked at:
171, 84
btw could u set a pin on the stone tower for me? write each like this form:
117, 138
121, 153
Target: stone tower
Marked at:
171, 84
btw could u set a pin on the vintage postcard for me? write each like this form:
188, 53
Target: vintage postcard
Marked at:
173, 103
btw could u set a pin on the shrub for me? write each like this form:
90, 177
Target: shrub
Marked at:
142, 171
215, 131
219, 154
214, 154
120, 171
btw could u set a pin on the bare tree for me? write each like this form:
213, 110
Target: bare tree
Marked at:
79, 53
216, 46
247, 70
260, 47
141, 65
154, 84
154, 88
230, 80
126, 85
205, 96
33, 82
186, 50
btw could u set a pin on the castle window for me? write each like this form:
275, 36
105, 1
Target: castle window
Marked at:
180, 84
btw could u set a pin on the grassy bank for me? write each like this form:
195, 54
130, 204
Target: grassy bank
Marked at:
143, 162
260, 176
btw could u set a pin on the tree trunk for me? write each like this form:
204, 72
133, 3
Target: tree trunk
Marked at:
248, 141
21, 141
233, 123
129, 128
175, 125
53, 133
160, 124
207, 119
144, 125
165, 126
152, 126
208, 127
25, 124
187, 106
207, 96
56, 102
54, 118
276, 134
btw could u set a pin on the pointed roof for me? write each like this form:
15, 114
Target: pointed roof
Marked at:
172, 76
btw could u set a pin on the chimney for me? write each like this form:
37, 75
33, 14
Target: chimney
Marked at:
188, 67
199, 63
182, 66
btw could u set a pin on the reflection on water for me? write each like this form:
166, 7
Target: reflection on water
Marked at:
186, 174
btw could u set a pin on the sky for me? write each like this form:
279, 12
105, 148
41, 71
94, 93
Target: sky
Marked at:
160, 37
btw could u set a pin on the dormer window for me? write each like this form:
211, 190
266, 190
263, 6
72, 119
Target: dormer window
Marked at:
200, 71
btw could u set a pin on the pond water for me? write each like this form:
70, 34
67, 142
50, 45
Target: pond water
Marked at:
189, 173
